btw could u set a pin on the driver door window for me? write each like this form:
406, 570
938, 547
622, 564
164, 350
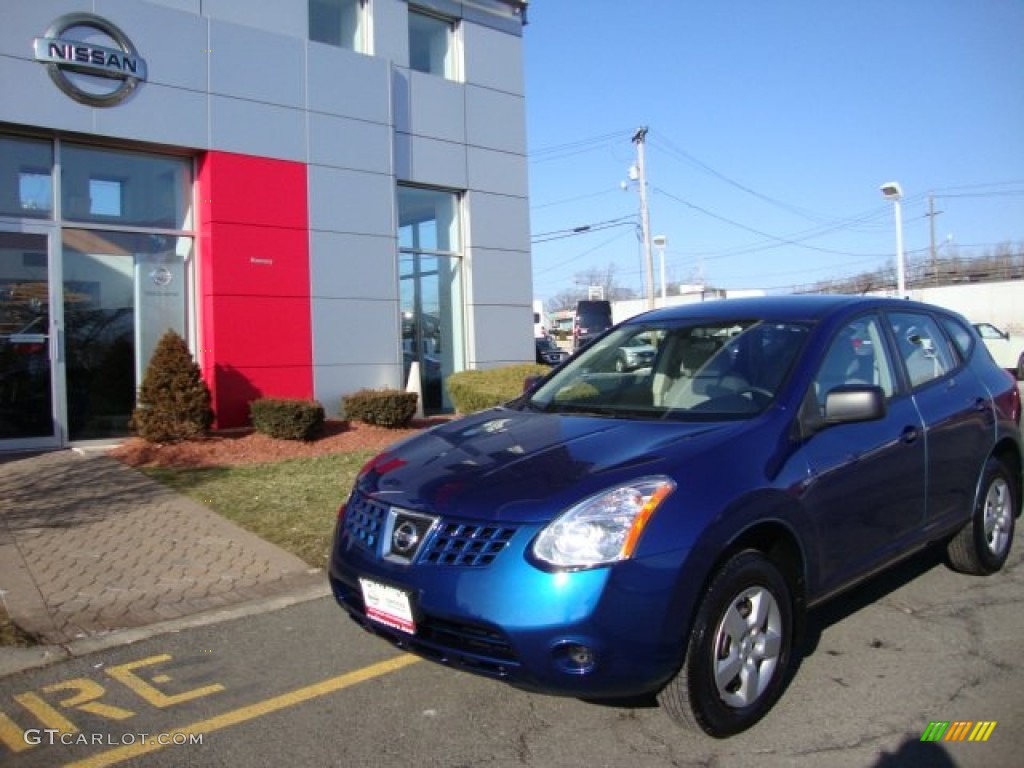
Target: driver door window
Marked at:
856, 357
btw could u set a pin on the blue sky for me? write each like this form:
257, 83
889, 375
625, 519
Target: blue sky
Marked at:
772, 125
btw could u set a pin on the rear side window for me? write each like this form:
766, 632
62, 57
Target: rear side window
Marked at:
923, 347
962, 338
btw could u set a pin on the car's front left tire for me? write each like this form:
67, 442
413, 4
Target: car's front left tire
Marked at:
983, 544
738, 651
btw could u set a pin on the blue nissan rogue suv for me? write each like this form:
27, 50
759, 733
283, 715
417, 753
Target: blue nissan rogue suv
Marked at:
663, 530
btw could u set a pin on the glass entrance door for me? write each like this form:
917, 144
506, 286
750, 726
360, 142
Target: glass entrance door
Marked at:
121, 292
27, 395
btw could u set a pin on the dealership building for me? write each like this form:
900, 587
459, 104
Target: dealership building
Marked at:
320, 196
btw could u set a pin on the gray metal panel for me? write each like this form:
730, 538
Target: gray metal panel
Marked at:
351, 201
437, 108
493, 59
391, 31
283, 17
159, 114
353, 266
499, 172
508, 338
375, 341
401, 99
438, 163
353, 144
500, 277
188, 6
175, 45
253, 64
499, 221
403, 156
29, 97
251, 128
332, 382
495, 119
348, 84
21, 22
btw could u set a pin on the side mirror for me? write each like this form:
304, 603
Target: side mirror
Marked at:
854, 402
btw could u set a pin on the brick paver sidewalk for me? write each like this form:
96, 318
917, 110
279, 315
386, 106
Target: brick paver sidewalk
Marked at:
88, 545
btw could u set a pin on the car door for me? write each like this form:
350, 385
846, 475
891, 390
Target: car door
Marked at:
865, 490
958, 417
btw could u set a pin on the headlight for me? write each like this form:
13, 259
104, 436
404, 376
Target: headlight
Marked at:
604, 528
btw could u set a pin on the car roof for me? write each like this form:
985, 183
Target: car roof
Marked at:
802, 308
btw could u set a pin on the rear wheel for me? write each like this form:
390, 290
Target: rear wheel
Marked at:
983, 544
738, 651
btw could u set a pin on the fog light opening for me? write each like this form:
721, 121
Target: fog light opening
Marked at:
575, 658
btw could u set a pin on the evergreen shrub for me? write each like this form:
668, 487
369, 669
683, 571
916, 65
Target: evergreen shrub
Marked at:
174, 401
473, 391
392, 408
287, 418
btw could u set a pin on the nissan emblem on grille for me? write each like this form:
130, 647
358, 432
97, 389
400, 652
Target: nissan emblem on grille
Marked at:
405, 538
404, 534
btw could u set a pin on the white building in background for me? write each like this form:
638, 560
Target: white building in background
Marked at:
315, 193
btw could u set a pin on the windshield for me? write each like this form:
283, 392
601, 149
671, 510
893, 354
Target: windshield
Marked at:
695, 371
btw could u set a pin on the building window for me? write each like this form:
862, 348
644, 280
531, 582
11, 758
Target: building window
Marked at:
26, 179
128, 188
105, 197
432, 44
430, 274
339, 22
35, 192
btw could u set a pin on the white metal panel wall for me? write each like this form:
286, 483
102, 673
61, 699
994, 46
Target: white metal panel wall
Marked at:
286, 17
500, 291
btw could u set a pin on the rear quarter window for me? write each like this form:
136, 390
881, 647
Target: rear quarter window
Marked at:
963, 339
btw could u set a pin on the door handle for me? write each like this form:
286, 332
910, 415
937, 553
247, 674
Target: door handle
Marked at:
909, 435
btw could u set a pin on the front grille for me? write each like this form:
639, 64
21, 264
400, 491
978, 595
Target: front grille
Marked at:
467, 545
364, 520
451, 543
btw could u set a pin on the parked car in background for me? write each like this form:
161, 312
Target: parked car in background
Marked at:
664, 530
1007, 350
591, 320
548, 352
638, 353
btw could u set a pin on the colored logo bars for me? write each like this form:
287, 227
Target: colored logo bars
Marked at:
958, 730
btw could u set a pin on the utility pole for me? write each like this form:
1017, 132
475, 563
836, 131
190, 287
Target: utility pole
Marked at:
645, 219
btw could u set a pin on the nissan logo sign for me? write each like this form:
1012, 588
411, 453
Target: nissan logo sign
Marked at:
68, 58
405, 538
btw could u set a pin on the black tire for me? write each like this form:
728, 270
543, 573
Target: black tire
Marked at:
983, 544
738, 651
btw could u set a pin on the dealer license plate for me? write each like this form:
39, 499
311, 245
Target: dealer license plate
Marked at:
388, 605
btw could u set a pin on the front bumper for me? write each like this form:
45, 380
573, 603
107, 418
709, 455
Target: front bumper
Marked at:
603, 632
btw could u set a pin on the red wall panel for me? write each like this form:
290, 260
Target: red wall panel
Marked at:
255, 324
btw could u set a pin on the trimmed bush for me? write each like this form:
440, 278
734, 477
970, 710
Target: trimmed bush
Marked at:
473, 391
287, 419
392, 408
174, 401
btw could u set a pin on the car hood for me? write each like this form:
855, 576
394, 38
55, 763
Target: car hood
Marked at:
520, 466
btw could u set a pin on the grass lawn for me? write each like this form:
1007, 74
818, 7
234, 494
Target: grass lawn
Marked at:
292, 503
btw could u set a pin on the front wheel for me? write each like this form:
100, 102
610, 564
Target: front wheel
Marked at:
983, 544
738, 651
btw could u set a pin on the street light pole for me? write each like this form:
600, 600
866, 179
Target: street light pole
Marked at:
660, 241
645, 220
891, 190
